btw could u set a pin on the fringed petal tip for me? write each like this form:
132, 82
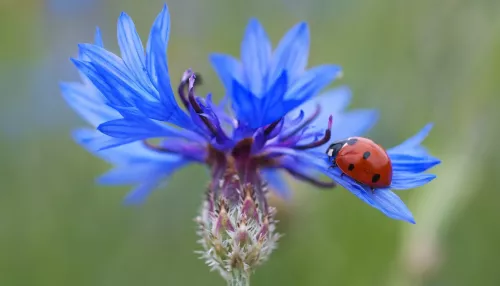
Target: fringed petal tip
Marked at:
410, 160
412, 145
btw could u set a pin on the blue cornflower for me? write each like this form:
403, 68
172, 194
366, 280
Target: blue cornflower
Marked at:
129, 97
277, 122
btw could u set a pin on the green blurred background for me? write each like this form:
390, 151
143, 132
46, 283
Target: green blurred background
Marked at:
416, 61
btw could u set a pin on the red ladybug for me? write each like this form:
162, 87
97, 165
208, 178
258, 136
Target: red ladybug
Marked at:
363, 160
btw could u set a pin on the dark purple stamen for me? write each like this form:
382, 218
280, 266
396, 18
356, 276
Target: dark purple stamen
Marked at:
271, 127
190, 101
324, 140
304, 124
191, 96
313, 181
182, 87
188, 79
196, 107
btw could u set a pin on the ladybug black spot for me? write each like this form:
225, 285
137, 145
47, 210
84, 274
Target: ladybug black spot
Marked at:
352, 141
375, 178
366, 155
351, 167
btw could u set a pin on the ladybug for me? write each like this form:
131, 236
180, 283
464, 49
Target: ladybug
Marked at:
363, 160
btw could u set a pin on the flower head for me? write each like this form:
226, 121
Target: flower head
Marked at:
276, 124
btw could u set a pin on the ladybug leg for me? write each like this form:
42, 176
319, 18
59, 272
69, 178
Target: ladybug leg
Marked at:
333, 165
373, 190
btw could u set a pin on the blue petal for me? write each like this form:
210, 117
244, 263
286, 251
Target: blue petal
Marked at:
151, 181
136, 164
154, 110
243, 102
312, 158
97, 41
174, 113
331, 102
313, 81
91, 73
127, 111
409, 163
391, 205
142, 128
292, 52
98, 38
272, 105
160, 31
129, 174
94, 142
353, 123
115, 73
382, 199
88, 103
136, 173
139, 194
256, 55
107, 60
412, 145
126, 92
405, 181
132, 50
228, 69
136, 152
259, 139
277, 182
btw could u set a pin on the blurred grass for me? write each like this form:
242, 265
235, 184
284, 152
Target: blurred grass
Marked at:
415, 61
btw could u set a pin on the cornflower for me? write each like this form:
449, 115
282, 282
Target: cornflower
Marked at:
276, 123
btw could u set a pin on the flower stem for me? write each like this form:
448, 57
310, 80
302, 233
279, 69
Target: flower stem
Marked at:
239, 278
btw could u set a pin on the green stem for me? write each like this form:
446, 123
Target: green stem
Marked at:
239, 278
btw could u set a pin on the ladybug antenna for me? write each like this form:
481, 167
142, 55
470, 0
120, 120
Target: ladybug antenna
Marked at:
324, 140
305, 123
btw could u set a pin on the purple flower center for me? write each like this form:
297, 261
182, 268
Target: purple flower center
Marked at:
243, 151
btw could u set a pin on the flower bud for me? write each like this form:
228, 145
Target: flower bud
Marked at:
237, 233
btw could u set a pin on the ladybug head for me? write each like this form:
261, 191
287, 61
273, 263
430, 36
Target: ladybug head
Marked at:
334, 149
